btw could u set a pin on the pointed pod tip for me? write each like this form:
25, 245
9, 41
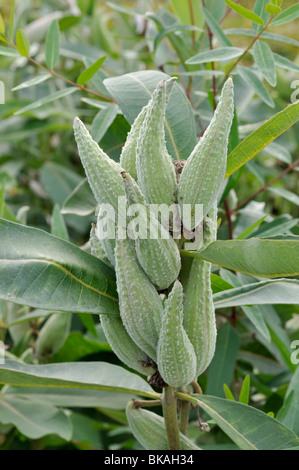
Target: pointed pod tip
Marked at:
77, 123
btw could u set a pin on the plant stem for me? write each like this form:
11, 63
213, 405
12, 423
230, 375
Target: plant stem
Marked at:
266, 186
146, 403
184, 416
212, 63
169, 404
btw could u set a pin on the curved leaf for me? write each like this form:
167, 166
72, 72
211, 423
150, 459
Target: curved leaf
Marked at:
215, 55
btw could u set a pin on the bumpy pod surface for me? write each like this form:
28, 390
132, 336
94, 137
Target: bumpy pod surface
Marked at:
155, 169
205, 168
149, 429
176, 356
123, 345
102, 172
139, 303
199, 314
157, 252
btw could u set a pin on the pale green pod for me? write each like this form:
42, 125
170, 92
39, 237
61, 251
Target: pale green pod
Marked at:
53, 334
155, 169
96, 247
175, 354
129, 150
156, 250
139, 303
102, 172
149, 429
123, 345
204, 171
209, 228
199, 314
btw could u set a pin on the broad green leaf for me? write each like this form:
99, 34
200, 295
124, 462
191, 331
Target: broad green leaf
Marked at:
32, 81
215, 55
75, 375
68, 397
264, 35
250, 229
228, 394
222, 367
43, 271
272, 9
264, 60
52, 45
216, 29
34, 418
133, 91
172, 29
256, 84
245, 12
259, 257
285, 194
47, 99
102, 121
248, 427
87, 75
58, 227
290, 14
280, 291
245, 391
285, 63
23, 43
81, 200
260, 138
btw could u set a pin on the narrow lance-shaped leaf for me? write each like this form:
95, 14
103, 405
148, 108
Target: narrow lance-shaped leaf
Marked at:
215, 55
87, 74
250, 77
260, 138
264, 60
245, 12
287, 15
23, 44
52, 45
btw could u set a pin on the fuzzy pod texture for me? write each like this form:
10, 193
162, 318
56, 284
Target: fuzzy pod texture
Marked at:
102, 172
123, 345
156, 250
149, 429
139, 303
96, 247
176, 356
204, 171
199, 314
53, 334
155, 169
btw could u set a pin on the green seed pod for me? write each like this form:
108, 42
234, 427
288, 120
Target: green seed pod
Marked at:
129, 150
96, 246
140, 305
53, 334
155, 169
204, 171
176, 356
149, 429
102, 172
123, 346
156, 251
199, 314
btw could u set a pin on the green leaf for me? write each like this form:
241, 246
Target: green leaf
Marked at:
78, 346
185, 15
285, 194
260, 138
23, 44
245, 12
249, 428
32, 81
215, 55
102, 121
250, 229
245, 391
272, 9
222, 367
75, 375
52, 45
259, 257
8, 52
280, 291
47, 99
58, 227
291, 415
265, 35
172, 29
264, 60
34, 418
278, 226
81, 201
87, 75
256, 84
2, 25
228, 394
43, 271
216, 29
218, 284
133, 91
285, 63
287, 15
